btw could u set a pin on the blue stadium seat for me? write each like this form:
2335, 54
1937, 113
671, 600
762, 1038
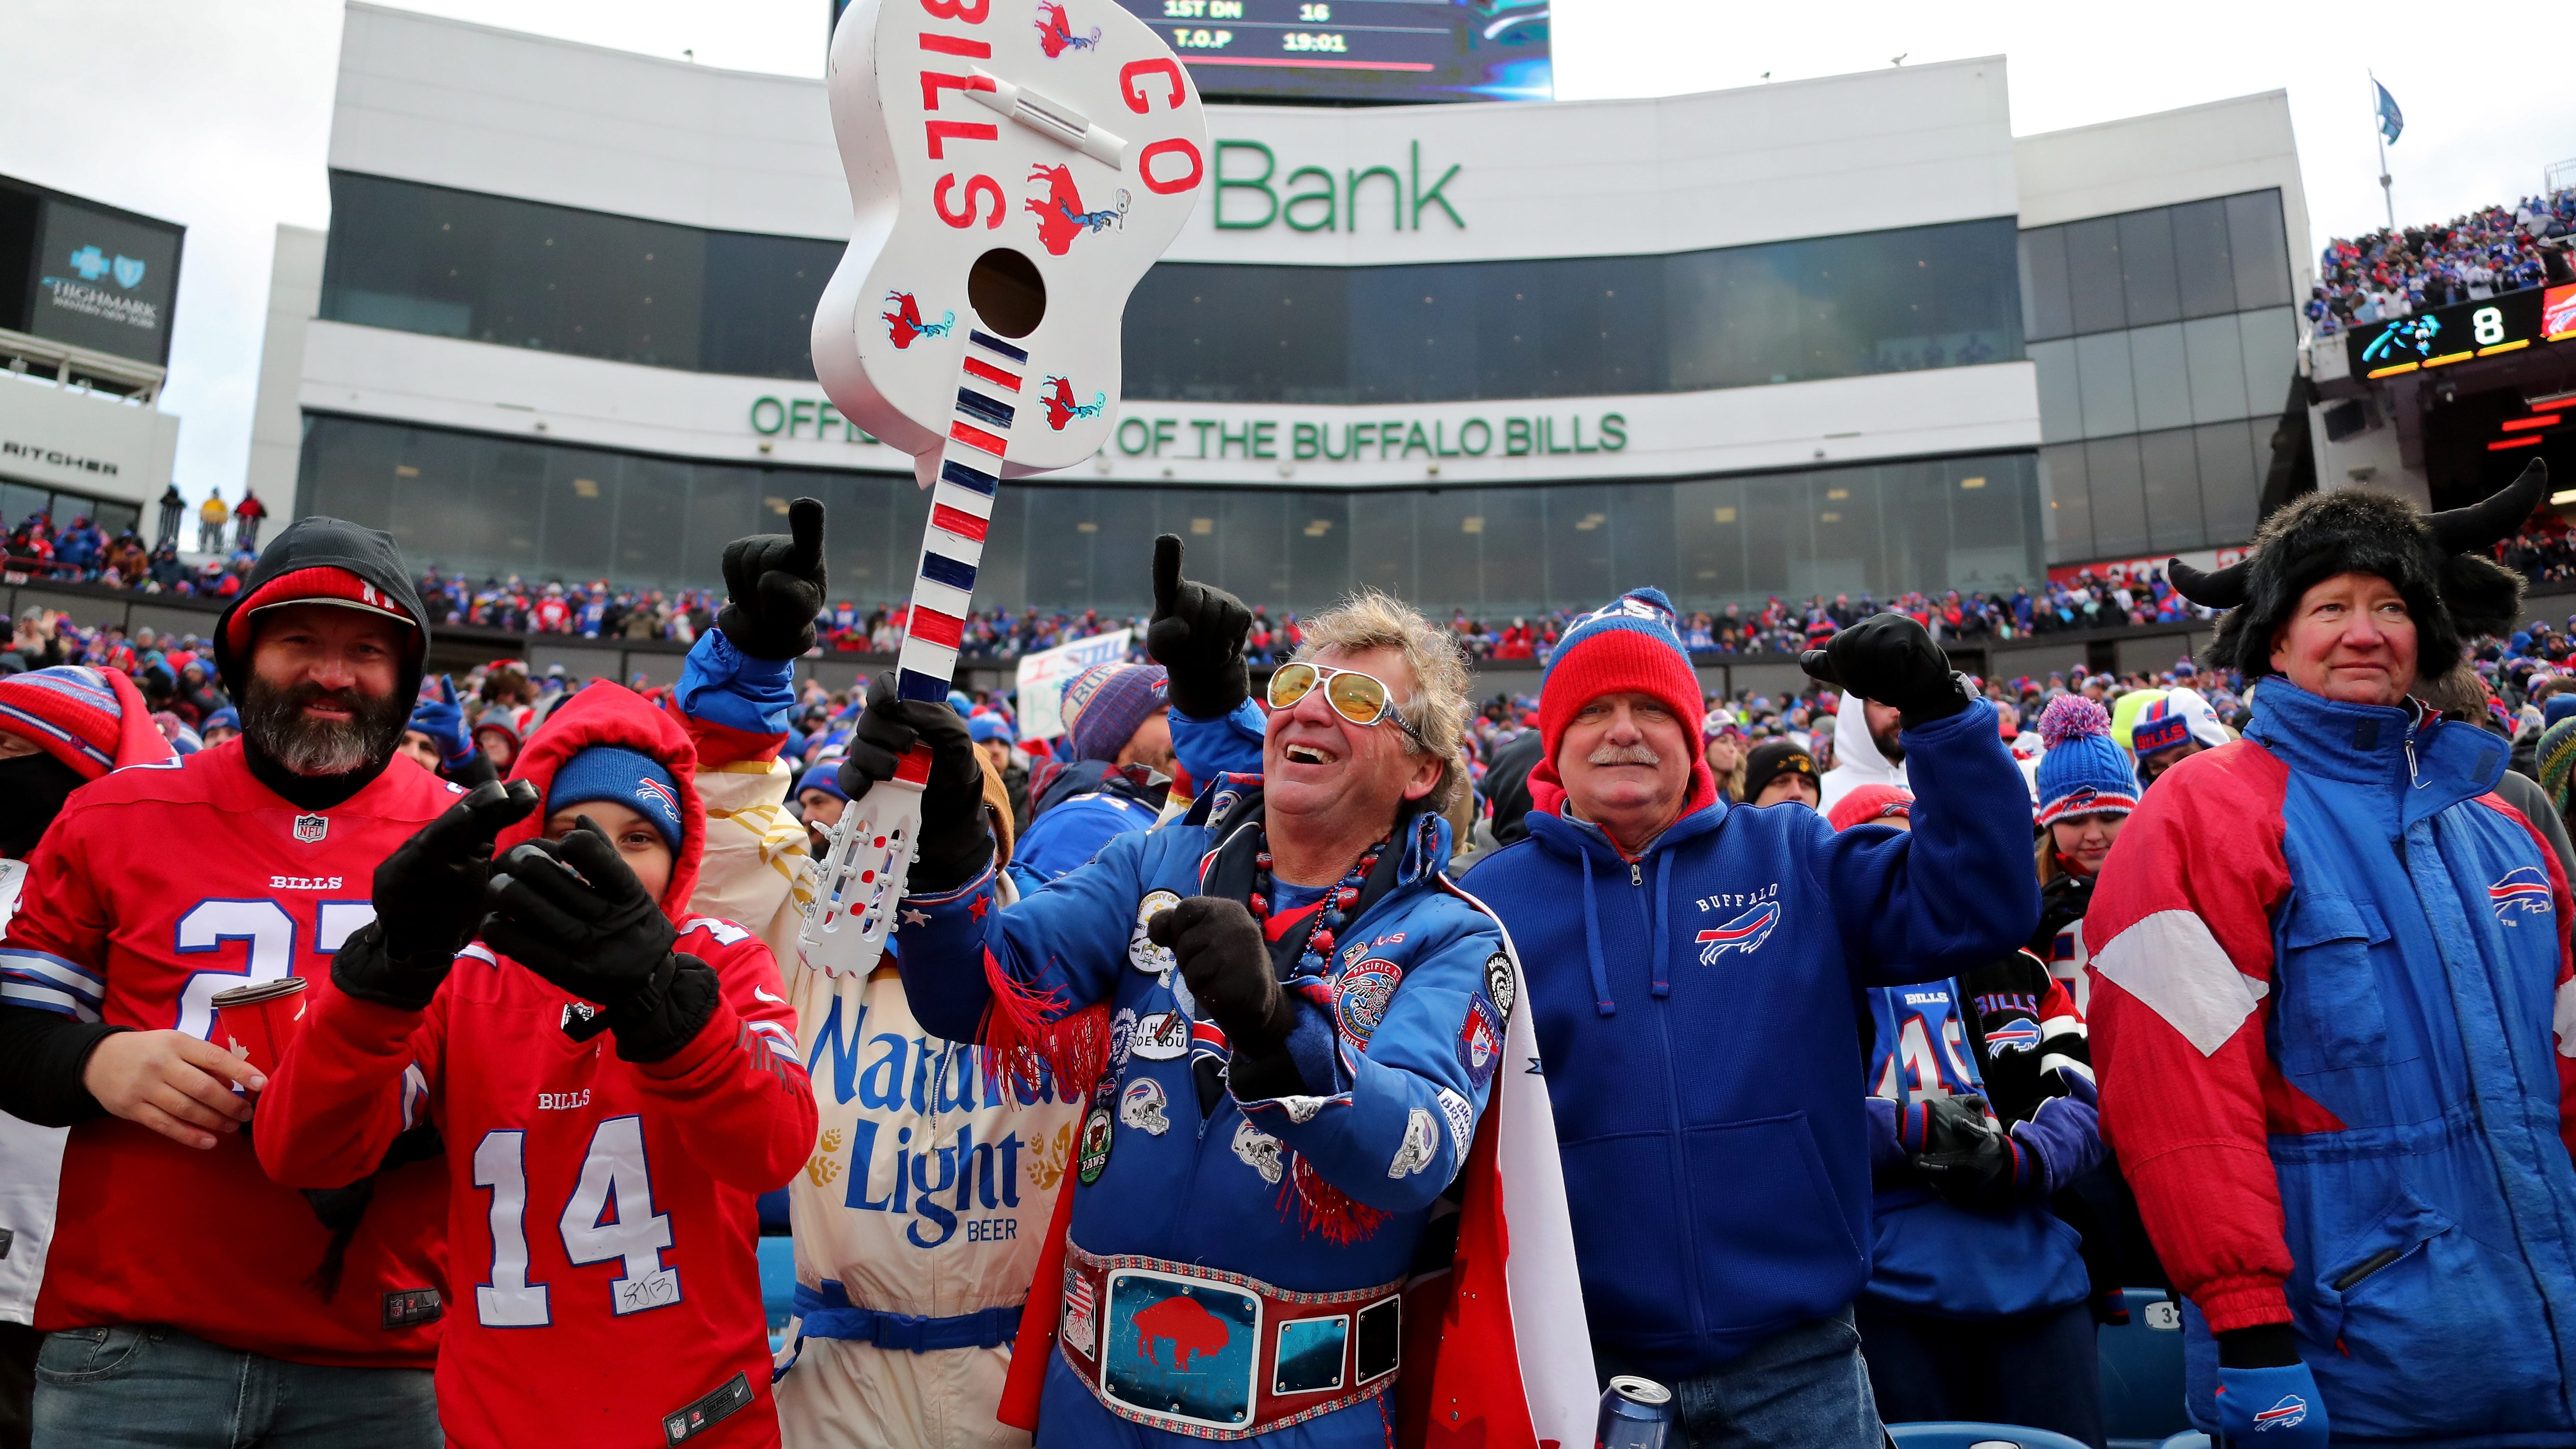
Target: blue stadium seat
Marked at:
778, 1285
1978, 1436
2142, 1373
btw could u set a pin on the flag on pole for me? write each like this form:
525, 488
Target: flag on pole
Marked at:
2391, 120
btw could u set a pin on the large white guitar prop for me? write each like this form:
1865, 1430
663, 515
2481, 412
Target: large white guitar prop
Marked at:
1015, 167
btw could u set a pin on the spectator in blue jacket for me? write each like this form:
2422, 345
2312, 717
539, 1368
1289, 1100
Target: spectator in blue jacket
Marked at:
1698, 971
1117, 717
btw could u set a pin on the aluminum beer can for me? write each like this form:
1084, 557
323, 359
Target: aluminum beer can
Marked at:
1635, 1414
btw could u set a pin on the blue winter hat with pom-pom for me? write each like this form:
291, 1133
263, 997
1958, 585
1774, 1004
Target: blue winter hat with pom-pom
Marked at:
2083, 773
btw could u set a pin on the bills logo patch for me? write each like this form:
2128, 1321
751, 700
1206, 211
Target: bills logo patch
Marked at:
1745, 933
2287, 1414
1480, 1041
311, 828
2020, 1034
2524, 891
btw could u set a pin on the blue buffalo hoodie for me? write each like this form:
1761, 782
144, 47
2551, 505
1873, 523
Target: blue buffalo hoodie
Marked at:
1699, 1008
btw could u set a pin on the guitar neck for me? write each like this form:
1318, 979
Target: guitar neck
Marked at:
961, 511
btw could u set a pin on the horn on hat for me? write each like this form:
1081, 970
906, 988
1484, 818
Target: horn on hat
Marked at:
2218, 589
2481, 525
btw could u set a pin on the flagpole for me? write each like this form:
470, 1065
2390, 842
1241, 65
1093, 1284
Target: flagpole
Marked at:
2379, 129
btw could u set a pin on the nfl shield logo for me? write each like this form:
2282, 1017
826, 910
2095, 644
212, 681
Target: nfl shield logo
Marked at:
310, 828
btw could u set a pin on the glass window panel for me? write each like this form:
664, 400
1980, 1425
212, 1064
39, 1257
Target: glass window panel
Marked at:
1198, 332
2203, 267
760, 296
2147, 267
347, 472
1002, 579
2110, 393
1843, 513
724, 504
2170, 470
579, 525
2067, 515
1914, 522
2061, 396
1994, 509
1060, 572
18, 503
2157, 372
2111, 475
1419, 341
1578, 546
1382, 543
2045, 311
1122, 552
1251, 544
652, 518
2271, 342
1448, 553
1513, 554
1708, 542
508, 507
2096, 294
2214, 359
2231, 478
1319, 549
1562, 328
1641, 536
2262, 257
434, 507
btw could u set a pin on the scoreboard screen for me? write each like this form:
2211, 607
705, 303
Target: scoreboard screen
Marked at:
1343, 51
2480, 327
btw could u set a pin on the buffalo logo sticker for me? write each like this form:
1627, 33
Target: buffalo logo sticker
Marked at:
1055, 31
1142, 953
1421, 1144
1096, 1133
2020, 1034
1081, 1312
1462, 1120
904, 323
1501, 987
311, 828
1062, 409
1745, 933
1259, 1151
1480, 1041
1141, 1106
2524, 891
1365, 991
1060, 212
1162, 1037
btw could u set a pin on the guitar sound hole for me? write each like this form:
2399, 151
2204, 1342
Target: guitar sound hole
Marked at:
1006, 291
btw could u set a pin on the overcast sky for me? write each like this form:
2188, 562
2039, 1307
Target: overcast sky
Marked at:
218, 116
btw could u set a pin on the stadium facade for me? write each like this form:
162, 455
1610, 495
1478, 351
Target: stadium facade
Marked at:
1839, 335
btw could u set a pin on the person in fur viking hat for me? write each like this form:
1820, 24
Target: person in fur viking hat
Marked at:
2323, 1008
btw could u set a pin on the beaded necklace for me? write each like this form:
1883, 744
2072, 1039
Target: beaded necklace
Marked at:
1326, 922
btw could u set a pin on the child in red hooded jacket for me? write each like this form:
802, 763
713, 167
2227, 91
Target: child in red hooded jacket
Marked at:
602, 1202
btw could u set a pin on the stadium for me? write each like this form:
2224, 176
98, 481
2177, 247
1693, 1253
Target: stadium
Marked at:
716, 790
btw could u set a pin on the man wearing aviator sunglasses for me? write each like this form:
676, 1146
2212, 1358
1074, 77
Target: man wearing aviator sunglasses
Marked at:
1300, 1019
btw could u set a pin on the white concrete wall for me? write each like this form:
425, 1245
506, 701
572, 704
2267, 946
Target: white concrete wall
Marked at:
277, 414
88, 442
2216, 149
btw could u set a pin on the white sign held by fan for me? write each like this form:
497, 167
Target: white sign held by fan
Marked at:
1015, 167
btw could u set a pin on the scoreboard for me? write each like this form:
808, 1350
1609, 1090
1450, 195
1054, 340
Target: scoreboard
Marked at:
2480, 327
1386, 51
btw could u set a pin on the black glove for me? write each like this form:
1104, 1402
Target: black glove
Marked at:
667, 1014
774, 586
1965, 1158
955, 842
1890, 659
1197, 636
429, 900
596, 934
1226, 961
2061, 901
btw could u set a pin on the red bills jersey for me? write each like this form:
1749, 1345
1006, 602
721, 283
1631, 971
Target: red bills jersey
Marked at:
601, 1226
157, 887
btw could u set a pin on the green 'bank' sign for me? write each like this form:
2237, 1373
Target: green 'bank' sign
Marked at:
1251, 193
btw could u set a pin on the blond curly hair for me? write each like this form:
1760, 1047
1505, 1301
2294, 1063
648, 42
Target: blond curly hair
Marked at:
1437, 709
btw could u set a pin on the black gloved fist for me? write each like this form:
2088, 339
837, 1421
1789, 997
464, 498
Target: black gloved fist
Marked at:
429, 900
597, 935
2061, 901
1226, 961
1889, 659
955, 842
1965, 1158
774, 586
1197, 636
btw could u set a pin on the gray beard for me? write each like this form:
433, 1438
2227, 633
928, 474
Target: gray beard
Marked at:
274, 720
1888, 747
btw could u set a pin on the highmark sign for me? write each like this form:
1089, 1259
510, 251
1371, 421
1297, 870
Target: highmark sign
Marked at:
1383, 439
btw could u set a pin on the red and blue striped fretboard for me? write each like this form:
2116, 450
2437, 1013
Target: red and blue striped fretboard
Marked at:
961, 509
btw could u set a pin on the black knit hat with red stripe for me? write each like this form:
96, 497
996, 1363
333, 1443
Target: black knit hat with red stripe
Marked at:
324, 561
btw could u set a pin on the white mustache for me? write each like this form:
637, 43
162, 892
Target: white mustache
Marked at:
1624, 755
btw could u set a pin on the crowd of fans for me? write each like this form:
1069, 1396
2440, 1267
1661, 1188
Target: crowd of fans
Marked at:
2385, 275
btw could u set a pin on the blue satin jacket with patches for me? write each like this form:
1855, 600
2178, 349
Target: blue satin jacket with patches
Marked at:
1398, 1063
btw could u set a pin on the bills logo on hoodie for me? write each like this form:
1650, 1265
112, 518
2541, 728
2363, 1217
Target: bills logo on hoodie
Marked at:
1745, 933
2524, 891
